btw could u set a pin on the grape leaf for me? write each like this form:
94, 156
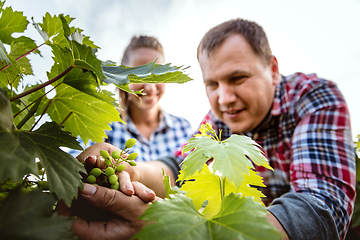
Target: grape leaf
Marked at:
205, 185
20, 148
167, 185
177, 218
230, 156
149, 73
6, 120
30, 216
89, 116
11, 22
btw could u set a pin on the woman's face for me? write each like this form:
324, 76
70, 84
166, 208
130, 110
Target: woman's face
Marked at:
154, 92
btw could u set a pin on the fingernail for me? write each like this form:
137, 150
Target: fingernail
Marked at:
90, 156
129, 187
89, 189
149, 191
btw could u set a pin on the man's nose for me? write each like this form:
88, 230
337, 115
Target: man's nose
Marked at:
226, 94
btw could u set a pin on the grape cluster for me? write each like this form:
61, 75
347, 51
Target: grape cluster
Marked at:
108, 177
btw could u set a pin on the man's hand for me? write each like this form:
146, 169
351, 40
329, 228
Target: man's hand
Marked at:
125, 209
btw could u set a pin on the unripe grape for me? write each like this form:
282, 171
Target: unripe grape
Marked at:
120, 168
132, 156
91, 179
113, 179
115, 186
132, 163
104, 154
109, 171
115, 154
107, 162
96, 172
130, 143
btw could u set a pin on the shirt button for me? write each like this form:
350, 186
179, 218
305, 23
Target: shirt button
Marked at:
255, 136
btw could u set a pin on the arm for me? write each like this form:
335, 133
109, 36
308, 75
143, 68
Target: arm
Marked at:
322, 165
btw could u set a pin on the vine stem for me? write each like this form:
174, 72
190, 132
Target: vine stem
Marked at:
41, 85
25, 54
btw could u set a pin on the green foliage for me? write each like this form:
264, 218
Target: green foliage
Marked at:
35, 172
212, 203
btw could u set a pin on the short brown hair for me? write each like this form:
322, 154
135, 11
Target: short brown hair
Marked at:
141, 42
251, 31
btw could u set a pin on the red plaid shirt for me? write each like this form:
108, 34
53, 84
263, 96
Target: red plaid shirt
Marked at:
307, 140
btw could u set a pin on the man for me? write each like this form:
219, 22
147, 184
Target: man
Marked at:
301, 121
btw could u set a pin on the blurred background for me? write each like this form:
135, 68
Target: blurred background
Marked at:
310, 36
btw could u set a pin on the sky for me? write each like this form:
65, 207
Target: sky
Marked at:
309, 36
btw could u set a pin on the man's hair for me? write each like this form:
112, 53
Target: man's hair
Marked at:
251, 31
141, 42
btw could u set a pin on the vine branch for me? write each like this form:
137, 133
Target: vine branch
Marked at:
41, 85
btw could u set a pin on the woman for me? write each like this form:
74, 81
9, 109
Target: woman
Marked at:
157, 132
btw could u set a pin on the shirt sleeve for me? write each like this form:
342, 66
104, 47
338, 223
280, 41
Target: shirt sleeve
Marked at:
323, 163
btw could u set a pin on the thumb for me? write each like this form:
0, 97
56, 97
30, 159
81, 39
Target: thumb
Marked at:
127, 207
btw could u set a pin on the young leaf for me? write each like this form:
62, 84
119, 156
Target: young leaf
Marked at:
205, 185
167, 185
149, 73
30, 216
239, 218
230, 156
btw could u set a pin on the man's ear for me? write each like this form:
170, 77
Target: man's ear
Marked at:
274, 66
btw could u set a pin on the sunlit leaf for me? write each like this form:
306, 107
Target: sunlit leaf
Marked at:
177, 218
11, 22
86, 116
230, 156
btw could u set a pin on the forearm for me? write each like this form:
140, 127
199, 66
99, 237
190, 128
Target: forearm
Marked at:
151, 175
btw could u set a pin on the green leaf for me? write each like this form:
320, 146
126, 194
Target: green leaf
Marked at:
88, 117
30, 216
6, 119
206, 186
20, 148
230, 156
149, 73
177, 218
167, 185
11, 22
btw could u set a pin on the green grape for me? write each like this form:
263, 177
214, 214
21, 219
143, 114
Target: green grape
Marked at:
113, 179
104, 154
91, 179
109, 171
120, 168
115, 186
132, 163
107, 162
115, 154
130, 143
96, 172
132, 156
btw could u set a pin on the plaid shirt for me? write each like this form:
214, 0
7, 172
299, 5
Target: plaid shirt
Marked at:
171, 133
307, 140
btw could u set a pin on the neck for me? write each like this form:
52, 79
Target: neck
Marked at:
146, 121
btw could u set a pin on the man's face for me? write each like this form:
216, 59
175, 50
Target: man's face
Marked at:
239, 85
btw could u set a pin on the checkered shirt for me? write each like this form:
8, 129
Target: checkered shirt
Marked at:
307, 140
172, 132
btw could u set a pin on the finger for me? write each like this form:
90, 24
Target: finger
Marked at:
62, 209
127, 207
143, 192
126, 185
113, 230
